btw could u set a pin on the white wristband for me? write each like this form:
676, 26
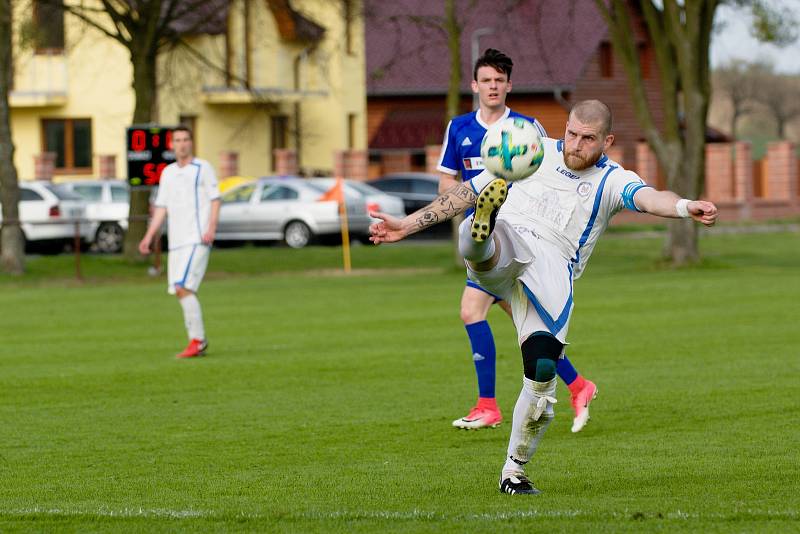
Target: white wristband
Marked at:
682, 207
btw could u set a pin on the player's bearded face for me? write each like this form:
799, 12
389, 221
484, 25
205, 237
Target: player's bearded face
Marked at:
583, 145
580, 159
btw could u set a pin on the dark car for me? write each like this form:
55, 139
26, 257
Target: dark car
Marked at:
417, 189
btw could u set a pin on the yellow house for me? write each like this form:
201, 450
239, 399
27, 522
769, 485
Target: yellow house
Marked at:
274, 74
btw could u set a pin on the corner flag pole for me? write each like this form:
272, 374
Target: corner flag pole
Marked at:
337, 193
345, 229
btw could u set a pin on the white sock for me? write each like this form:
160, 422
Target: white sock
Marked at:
525, 431
193, 317
482, 180
471, 250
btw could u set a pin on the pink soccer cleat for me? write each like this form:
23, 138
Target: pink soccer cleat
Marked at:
196, 347
485, 414
580, 403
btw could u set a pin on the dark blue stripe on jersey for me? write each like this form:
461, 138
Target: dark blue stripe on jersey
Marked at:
602, 163
197, 200
188, 265
597, 198
553, 325
560, 145
628, 193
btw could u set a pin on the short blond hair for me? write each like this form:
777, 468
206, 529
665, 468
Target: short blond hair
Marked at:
593, 112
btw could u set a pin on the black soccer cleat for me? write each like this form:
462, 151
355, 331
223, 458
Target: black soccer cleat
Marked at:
489, 201
518, 484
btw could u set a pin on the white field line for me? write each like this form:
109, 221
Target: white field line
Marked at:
407, 516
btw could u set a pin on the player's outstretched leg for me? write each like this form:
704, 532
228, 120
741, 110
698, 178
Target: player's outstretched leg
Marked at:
581, 391
533, 411
488, 203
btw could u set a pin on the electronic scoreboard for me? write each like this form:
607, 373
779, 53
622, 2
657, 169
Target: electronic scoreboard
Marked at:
149, 150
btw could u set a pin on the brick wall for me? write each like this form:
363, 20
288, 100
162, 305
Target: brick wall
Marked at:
781, 171
285, 161
228, 163
44, 165
719, 172
351, 164
107, 165
395, 161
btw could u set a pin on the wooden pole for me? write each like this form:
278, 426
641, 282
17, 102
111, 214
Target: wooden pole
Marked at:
345, 232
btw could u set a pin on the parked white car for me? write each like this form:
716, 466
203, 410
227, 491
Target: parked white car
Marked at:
107, 207
287, 209
48, 213
375, 199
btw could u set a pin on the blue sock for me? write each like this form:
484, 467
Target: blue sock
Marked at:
483, 353
566, 371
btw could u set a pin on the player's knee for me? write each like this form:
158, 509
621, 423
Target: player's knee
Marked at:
182, 292
539, 355
472, 314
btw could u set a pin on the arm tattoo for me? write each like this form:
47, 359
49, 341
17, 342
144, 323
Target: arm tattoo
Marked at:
452, 202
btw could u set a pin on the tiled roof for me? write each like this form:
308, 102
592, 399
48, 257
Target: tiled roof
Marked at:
550, 42
195, 17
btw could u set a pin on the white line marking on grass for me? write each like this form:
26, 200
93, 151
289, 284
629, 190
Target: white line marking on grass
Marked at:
394, 515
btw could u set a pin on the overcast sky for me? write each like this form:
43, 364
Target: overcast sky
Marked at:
733, 40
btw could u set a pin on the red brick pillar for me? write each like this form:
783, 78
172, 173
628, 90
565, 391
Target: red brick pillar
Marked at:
432, 155
107, 165
743, 172
352, 164
719, 172
285, 161
781, 169
396, 161
647, 165
44, 165
228, 163
616, 153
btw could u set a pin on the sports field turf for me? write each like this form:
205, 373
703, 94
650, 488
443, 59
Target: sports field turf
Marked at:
326, 400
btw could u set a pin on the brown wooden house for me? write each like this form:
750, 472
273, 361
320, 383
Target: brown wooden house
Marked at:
561, 53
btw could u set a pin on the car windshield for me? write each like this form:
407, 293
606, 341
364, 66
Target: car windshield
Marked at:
364, 189
317, 186
61, 192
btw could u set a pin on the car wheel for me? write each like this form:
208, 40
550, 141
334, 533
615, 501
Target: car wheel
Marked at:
297, 234
109, 237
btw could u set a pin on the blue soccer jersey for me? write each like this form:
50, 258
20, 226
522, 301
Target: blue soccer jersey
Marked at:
462, 143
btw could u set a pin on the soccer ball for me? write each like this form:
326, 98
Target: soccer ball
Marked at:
512, 149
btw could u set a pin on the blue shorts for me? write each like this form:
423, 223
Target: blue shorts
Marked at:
470, 283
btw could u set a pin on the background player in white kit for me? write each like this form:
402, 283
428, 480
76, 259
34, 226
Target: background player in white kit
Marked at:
188, 196
540, 240
461, 154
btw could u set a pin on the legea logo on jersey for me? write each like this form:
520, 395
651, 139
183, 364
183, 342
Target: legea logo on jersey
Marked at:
471, 164
568, 174
584, 188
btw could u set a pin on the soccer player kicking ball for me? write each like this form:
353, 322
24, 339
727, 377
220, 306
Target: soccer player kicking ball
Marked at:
541, 234
188, 196
461, 153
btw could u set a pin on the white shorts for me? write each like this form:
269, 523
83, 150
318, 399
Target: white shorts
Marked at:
186, 267
534, 277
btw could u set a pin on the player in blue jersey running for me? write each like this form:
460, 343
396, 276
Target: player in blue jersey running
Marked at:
461, 152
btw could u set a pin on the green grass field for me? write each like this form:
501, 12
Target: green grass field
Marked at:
325, 402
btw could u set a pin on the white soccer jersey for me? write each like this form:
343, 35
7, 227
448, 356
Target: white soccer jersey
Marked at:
186, 192
570, 209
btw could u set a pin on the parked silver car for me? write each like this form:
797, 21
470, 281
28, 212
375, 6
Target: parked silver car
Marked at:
48, 213
287, 209
107, 207
375, 199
